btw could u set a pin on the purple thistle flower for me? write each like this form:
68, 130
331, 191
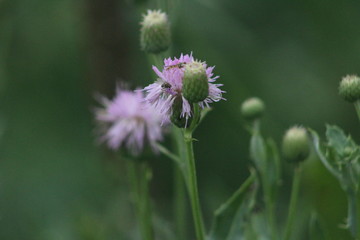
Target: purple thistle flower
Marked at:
163, 92
129, 121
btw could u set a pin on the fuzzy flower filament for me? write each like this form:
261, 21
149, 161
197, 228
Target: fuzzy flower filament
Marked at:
128, 121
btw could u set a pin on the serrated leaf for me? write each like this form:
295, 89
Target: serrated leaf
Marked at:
228, 215
339, 141
321, 154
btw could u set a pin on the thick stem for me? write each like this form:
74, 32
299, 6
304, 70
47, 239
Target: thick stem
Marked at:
179, 187
139, 175
191, 177
352, 214
357, 108
192, 188
293, 202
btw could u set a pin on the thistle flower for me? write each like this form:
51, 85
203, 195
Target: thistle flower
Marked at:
128, 121
168, 89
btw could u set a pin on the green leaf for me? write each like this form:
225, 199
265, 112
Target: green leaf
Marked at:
342, 144
273, 162
258, 152
316, 229
258, 228
230, 216
204, 113
321, 155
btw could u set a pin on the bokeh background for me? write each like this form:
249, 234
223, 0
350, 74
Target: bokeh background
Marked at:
57, 183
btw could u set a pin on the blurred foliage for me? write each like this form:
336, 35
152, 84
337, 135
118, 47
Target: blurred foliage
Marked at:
55, 181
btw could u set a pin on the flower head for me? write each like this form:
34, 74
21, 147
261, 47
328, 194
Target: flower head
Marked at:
349, 88
155, 36
252, 108
168, 89
129, 122
295, 145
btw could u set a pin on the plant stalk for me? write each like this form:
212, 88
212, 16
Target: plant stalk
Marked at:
357, 108
293, 202
139, 176
191, 177
270, 210
179, 187
352, 214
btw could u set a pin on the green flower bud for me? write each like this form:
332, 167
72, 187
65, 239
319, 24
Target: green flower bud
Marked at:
349, 88
195, 82
252, 108
155, 35
175, 118
295, 145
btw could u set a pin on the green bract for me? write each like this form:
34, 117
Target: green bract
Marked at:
195, 82
175, 117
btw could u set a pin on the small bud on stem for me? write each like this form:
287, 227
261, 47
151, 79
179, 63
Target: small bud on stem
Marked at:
252, 108
295, 144
155, 36
349, 88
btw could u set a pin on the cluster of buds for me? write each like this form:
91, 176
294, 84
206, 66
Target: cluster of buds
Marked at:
295, 144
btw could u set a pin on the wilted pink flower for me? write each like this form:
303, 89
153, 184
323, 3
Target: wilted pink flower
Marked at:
129, 121
162, 93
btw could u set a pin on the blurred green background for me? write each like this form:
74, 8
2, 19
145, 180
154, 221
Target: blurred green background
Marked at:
57, 183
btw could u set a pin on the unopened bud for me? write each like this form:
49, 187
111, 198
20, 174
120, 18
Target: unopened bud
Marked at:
155, 34
349, 88
195, 82
295, 145
252, 108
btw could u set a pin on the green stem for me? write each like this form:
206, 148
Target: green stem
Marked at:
357, 108
352, 214
179, 204
156, 59
179, 186
191, 177
268, 193
170, 155
293, 202
244, 187
139, 176
270, 209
